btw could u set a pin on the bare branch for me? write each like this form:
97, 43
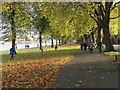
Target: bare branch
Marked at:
115, 17
93, 17
102, 6
95, 13
115, 5
83, 8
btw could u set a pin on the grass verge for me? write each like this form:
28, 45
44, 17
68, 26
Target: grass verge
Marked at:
114, 54
31, 69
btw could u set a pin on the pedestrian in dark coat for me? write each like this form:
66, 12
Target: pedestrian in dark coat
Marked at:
56, 48
100, 47
81, 46
85, 46
12, 52
41, 50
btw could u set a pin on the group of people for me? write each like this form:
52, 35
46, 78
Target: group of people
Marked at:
26, 46
90, 46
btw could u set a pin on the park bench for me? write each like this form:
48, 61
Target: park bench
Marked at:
115, 54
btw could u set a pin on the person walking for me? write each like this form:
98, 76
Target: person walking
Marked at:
85, 46
16, 47
41, 50
56, 48
12, 52
91, 47
100, 47
81, 46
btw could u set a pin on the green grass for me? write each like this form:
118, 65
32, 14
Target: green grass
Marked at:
35, 54
31, 66
112, 53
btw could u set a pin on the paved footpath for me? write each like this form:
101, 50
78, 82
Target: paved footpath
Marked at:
89, 70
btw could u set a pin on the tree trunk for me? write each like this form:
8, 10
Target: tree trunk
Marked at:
106, 33
45, 42
56, 42
52, 43
93, 37
82, 39
106, 37
40, 40
86, 38
62, 42
89, 38
113, 40
59, 42
99, 34
13, 29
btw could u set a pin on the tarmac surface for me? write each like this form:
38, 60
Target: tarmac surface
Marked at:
89, 70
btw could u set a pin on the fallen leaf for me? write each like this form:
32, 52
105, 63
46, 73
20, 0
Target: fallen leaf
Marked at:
102, 77
108, 72
90, 67
110, 82
91, 83
84, 84
103, 82
77, 85
80, 81
90, 71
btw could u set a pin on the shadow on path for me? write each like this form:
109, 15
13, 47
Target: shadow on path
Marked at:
89, 70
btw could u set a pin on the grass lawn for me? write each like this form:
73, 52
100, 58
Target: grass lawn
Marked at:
33, 69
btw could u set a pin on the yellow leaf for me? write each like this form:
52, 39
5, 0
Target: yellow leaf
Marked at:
80, 81
77, 85
8, 7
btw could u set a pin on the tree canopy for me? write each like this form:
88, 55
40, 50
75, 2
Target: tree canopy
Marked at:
66, 21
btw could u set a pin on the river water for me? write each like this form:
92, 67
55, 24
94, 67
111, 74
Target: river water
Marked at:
6, 47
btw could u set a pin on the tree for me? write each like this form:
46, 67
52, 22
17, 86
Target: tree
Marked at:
15, 19
40, 25
101, 15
